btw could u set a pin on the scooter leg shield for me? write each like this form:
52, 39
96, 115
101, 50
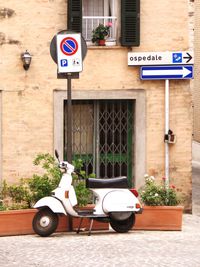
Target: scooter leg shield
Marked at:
53, 203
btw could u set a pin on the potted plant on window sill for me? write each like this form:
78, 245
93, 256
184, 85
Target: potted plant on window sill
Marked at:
161, 210
100, 33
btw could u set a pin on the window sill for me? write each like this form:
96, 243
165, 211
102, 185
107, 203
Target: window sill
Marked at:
96, 47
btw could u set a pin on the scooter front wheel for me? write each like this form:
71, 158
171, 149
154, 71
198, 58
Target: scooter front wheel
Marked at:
123, 226
45, 222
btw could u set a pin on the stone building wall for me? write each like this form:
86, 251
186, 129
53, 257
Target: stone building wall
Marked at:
196, 91
27, 97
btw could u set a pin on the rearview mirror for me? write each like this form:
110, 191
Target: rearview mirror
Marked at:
56, 154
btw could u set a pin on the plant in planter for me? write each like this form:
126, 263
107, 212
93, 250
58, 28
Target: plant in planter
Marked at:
83, 194
2, 206
161, 210
3, 194
100, 33
24, 194
29, 190
16, 200
153, 194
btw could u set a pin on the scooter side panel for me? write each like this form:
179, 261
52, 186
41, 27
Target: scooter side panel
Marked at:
120, 200
51, 202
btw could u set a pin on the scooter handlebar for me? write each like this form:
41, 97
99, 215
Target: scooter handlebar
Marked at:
66, 165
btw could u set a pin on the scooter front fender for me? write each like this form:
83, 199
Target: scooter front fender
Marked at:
53, 203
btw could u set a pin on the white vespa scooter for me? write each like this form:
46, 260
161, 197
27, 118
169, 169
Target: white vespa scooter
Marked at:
115, 203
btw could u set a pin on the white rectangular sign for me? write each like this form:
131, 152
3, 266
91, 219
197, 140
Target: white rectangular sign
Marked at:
166, 72
69, 53
160, 58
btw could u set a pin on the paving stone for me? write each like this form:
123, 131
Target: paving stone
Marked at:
136, 248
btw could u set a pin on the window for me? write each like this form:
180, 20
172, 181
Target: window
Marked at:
85, 15
100, 11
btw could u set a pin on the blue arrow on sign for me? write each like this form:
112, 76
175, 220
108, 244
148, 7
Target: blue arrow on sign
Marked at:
166, 72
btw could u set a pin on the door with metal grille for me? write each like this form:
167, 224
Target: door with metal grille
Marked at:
102, 135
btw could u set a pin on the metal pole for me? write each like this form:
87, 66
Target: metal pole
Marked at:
69, 131
166, 132
1, 142
69, 119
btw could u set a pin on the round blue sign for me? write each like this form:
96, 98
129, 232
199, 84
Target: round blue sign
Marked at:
69, 46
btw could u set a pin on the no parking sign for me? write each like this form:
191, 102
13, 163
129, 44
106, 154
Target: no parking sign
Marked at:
69, 53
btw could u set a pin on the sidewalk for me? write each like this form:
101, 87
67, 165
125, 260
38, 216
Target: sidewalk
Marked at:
136, 248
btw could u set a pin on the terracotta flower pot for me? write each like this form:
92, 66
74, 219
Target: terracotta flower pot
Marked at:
19, 222
159, 218
102, 42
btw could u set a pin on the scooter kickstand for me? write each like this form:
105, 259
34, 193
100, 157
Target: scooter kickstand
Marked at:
90, 229
79, 227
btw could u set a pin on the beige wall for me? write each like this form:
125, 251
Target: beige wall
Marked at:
197, 73
27, 97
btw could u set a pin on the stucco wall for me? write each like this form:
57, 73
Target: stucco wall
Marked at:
196, 93
27, 97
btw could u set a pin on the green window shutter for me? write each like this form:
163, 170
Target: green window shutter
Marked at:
74, 20
130, 22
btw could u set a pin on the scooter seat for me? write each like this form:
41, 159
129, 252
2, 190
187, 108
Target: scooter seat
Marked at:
118, 182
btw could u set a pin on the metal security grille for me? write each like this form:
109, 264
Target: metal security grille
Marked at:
102, 136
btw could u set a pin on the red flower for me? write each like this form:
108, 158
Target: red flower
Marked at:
163, 178
173, 186
109, 24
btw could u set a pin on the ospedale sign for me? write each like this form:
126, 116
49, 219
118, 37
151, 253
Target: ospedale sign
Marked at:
160, 58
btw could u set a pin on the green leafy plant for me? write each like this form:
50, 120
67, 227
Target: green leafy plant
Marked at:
30, 190
20, 195
2, 207
42, 185
101, 32
153, 194
3, 195
83, 194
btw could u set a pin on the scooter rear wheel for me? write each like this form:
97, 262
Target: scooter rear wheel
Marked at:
123, 226
45, 222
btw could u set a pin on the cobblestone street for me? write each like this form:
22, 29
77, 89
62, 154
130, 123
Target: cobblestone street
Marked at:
136, 248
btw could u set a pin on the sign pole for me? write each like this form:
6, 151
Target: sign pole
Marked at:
69, 118
69, 130
68, 49
166, 133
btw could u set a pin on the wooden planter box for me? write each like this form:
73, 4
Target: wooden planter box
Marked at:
159, 218
19, 222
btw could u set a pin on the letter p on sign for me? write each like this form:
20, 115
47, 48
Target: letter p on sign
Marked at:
64, 62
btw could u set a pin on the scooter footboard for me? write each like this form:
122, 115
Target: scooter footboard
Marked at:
53, 203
